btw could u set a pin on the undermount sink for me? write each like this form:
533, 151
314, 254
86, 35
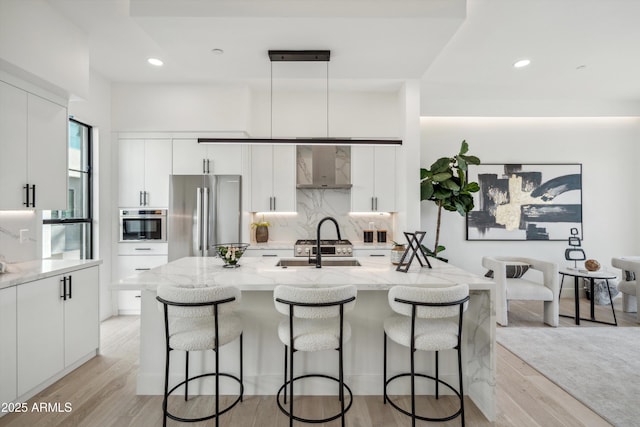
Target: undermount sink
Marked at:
325, 263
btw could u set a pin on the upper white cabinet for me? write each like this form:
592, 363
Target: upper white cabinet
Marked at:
33, 143
8, 338
273, 178
145, 166
191, 158
373, 175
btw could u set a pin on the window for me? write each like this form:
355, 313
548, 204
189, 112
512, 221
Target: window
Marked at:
68, 234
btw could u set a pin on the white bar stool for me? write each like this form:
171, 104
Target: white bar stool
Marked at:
197, 319
317, 316
428, 319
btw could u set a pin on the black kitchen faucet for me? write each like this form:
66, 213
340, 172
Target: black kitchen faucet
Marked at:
318, 254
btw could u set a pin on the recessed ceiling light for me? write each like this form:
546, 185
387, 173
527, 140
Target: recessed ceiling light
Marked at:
155, 61
521, 63
217, 51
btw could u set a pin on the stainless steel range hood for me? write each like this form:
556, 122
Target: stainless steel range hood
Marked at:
323, 167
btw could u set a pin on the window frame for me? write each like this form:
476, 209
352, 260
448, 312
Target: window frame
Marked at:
88, 219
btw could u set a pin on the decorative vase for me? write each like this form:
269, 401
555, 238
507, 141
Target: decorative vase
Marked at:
262, 234
396, 254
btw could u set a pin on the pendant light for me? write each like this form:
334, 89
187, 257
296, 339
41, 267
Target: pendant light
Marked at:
296, 56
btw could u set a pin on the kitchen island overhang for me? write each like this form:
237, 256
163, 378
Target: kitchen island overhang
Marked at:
263, 351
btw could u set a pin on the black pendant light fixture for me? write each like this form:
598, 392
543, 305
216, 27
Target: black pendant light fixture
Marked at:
296, 56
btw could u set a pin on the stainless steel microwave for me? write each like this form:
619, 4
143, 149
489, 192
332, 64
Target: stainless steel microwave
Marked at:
143, 225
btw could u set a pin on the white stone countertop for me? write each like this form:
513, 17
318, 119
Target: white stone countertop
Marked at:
261, 274
24, 272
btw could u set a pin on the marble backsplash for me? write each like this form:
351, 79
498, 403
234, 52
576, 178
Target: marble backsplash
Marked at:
11, 224
312, 206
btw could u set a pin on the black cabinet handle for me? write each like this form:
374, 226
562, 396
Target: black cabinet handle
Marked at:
70, 287
33, 201
26, 189
64, 288
142, 249
383, 255
271, 255
143, 269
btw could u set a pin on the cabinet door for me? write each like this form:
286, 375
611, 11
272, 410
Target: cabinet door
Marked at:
189, 157
131, 172
40, 332
284, 178
362, 178
47, 153
224, 159
261, 178
384, 168
157, 168
81, 315
13, 146
8, 338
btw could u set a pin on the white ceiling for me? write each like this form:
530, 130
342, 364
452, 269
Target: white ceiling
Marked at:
583, 52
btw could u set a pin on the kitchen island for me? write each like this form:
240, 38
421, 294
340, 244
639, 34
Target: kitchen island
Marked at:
263, 351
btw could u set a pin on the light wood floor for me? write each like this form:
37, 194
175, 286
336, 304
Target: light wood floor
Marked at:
102, 391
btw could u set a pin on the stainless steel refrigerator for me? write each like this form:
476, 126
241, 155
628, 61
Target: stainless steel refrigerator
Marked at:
203, 210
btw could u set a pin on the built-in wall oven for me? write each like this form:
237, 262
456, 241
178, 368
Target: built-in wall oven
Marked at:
143, 225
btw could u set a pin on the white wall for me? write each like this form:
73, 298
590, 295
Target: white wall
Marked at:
96, 111
179, 107
42, 46
606, 147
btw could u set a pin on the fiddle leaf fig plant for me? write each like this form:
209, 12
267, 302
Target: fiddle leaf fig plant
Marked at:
445, 184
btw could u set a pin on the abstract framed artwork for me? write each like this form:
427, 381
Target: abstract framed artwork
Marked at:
525, 201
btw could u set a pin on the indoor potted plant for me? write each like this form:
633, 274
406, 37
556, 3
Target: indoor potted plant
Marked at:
445, 184
262, 230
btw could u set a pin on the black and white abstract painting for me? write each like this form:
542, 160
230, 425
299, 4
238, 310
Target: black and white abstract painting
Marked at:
525, 201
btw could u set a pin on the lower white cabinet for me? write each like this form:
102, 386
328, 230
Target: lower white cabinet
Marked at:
81, 315
57, 324
8, 338
129, 301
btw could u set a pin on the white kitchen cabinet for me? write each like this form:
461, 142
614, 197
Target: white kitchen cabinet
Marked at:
40, 332
128, 265
373, 175
273, 178
57, 325
33, 143
81, 315
191, 158
8, 338
145, 166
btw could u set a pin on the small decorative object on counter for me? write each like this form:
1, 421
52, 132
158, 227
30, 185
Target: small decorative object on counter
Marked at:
413, 251
382, 236
592, 265
396, 252
368, 236
231, 253
262, 230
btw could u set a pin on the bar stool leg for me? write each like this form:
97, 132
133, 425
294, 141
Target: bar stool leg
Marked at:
413, 386
186, 376
241, 363
286, 356
437, 376
384, 370
166, 387
291, 384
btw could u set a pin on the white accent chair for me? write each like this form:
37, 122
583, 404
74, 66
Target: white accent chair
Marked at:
508, 289
630, 288
315, 321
